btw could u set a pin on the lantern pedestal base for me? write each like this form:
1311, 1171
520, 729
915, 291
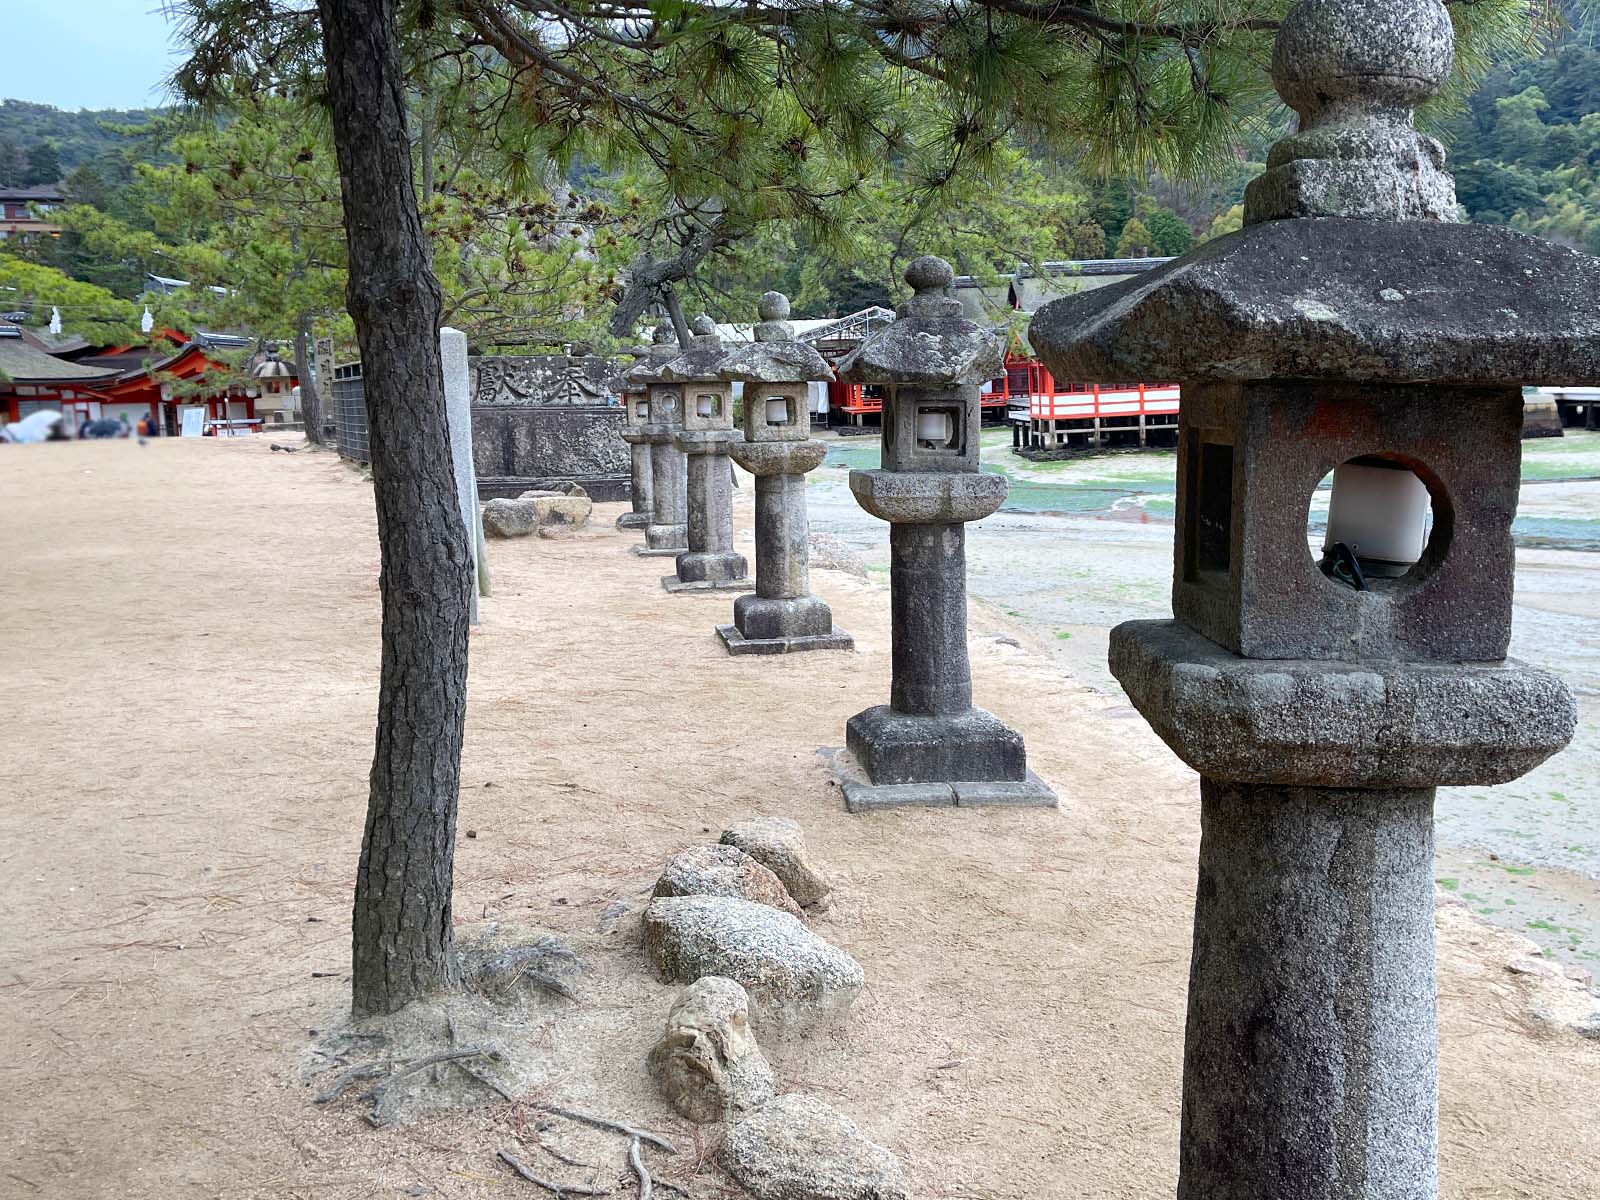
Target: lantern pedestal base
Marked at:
971, 753
737, 643
862, 795
662, 552
633, 520
678, 586
723, 570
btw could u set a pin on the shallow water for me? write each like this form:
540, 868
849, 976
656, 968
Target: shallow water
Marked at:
1082, 545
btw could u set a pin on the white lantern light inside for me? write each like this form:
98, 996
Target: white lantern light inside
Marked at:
777, 411
705, 406
1380, 510
934, 428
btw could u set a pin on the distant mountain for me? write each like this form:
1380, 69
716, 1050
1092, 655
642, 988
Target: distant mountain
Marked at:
34, 138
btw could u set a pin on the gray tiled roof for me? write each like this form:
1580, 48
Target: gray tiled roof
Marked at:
21, 363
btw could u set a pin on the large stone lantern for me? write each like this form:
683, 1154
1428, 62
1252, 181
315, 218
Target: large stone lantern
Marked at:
710, 564
1352, 328
667, 534
929, 745
782, 616
635, 429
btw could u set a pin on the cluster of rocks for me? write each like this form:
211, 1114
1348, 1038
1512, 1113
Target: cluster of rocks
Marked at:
728, 920
547, 513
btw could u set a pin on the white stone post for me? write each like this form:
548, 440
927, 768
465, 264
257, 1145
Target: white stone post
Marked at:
458, 414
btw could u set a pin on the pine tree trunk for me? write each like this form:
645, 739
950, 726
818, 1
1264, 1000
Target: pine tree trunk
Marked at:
402, 939
310, 398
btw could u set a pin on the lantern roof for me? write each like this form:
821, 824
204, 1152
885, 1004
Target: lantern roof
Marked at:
663, 349
702, 361
1352, 264
1341, 298
775, 356
931, 343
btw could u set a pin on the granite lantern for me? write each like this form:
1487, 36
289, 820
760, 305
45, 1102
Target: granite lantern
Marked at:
929, 745
710, 564
778, 450
635, 429
667, 534
1351, 328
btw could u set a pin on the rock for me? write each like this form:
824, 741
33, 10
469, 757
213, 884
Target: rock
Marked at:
831, 554
1539, 968
798, 1148
509, 518
563, 510
539, 494
779, 844
707, 1063
794, 978
718, 870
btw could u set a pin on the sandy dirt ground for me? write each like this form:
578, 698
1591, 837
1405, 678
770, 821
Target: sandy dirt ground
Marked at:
187, 688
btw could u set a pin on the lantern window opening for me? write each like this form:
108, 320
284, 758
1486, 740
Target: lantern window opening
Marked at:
938, 428
1209, 540
708, 405
779, 410
1387, 524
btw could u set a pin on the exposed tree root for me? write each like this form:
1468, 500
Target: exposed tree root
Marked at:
383, 1100
643, 1135
560, 1189
527, 964
636, 1161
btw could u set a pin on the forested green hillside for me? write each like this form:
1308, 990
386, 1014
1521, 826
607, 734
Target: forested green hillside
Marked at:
1527, 151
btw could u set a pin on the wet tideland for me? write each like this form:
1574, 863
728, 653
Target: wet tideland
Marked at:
710, 564
782, 615
1352, 326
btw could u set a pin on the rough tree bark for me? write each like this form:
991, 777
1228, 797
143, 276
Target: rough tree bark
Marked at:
310, 398
403, 947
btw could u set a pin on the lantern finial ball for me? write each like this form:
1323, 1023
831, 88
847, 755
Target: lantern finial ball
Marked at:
773, 306
1367, 53
929, 273
663, 334
702, 326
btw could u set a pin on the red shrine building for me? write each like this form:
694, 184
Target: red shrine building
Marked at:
87, 383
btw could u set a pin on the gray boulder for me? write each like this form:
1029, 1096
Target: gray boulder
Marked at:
798, 1148
794, 978
719, 870
571, 511
779, 844
509, 518
707, 1063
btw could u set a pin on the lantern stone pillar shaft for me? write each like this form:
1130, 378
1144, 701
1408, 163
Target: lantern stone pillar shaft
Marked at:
1312, 977
1351, 327
711, 563
667, 535
928, 602
929, 745
782, 616
641, 491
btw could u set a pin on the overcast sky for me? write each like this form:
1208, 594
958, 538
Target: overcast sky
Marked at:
85, 53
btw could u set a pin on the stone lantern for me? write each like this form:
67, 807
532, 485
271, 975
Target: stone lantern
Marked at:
929, 745
778, 450
1351, 328
668, 530
710, 564
635, 428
